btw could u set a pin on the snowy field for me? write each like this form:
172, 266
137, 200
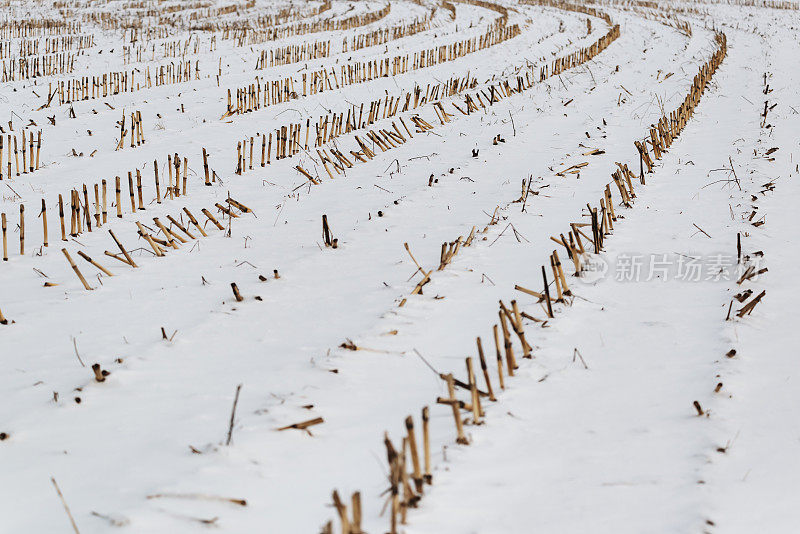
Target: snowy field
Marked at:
399, 266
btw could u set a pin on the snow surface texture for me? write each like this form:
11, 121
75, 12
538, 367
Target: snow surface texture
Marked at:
597, 432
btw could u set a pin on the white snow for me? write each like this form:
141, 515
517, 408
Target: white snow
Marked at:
597, 432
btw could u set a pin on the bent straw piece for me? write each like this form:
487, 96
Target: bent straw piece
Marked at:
166, 233
303, 425
194, 222
156, 248
519, 328
419, 268
180, 227
425, 280
238, 205
77, 271
90, 260
225, 210
116, 257
530, 292
212, 219
176, 235
122, 249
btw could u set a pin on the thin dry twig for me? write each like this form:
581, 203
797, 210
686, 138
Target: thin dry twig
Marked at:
66, 508
233, 415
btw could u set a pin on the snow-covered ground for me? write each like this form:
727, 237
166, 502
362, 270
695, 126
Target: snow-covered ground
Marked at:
648, 404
